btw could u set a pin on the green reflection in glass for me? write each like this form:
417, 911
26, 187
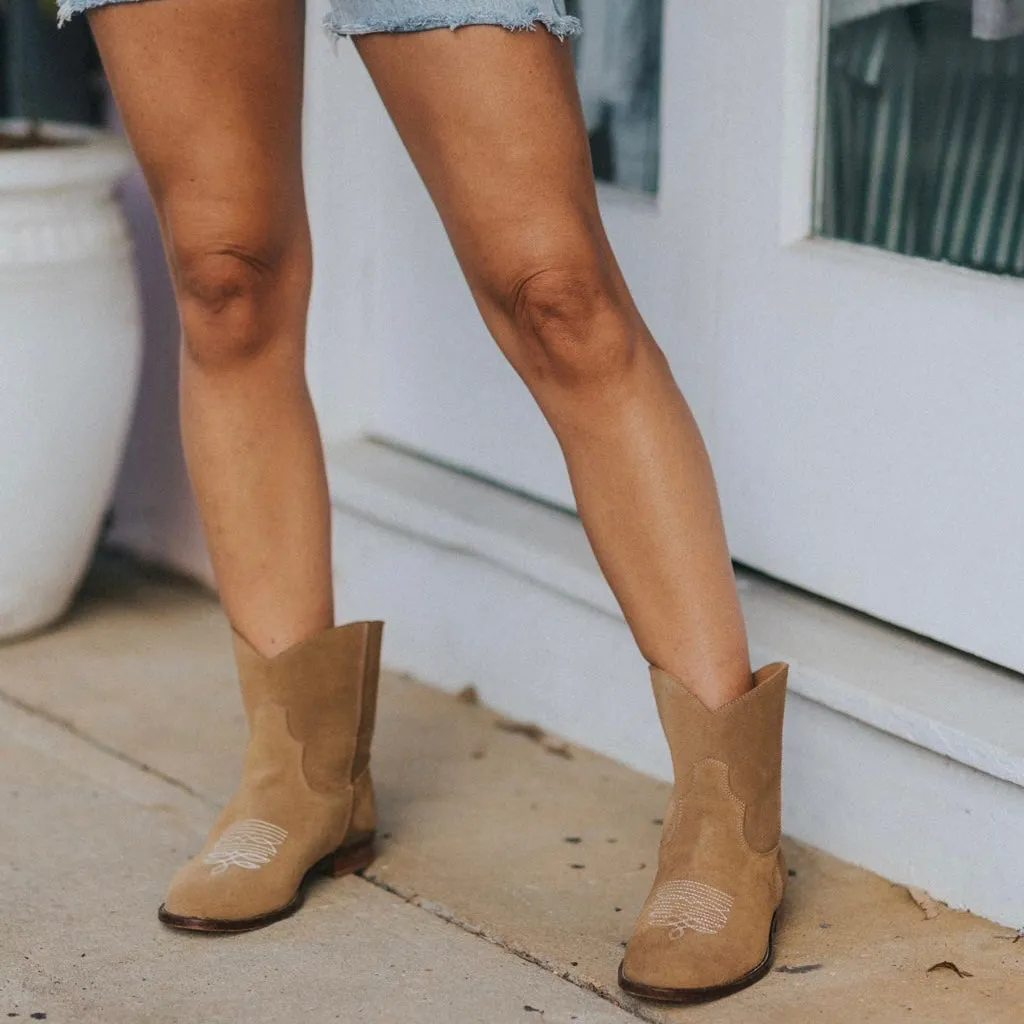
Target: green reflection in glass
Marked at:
923, 133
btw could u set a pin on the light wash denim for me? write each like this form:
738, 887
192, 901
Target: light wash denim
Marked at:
358, 17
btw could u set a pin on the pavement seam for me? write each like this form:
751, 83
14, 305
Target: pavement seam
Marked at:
69, 727
440, 911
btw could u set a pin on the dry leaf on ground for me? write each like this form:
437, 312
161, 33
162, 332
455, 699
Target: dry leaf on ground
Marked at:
534, 732
948, 965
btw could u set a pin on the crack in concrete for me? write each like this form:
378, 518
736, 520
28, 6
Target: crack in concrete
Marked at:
620, 1000
65, 725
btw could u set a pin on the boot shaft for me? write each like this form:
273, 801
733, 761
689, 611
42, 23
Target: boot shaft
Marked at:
327, 689
744, 735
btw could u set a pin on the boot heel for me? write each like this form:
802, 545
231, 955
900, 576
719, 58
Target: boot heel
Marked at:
347, 860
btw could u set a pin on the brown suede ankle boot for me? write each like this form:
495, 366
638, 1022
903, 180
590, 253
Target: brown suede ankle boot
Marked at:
305, 802
708, 926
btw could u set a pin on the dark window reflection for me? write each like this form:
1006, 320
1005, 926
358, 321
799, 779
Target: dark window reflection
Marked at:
618, 61
923, 146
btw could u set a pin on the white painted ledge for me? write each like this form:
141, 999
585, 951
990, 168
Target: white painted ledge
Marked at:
947, 702
900, 755
950, 703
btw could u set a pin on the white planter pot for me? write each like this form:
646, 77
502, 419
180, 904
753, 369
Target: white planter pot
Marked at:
70, 347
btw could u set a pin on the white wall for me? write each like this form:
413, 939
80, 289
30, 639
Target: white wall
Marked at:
348, 147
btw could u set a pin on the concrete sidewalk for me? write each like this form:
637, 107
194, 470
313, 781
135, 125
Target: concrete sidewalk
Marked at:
511, 866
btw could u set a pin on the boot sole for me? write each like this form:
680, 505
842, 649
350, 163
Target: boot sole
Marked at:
658, 994
346, 860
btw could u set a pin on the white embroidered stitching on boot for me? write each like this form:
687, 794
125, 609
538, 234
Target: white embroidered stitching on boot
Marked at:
684, 905
247, 844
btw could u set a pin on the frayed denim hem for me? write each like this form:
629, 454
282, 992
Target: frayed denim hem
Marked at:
67, 9
511, 14
515, 16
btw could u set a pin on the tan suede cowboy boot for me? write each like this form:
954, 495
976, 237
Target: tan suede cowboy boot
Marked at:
708, 926
305, 802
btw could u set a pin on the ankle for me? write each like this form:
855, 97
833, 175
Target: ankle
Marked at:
716, 688
719, 694
270, 638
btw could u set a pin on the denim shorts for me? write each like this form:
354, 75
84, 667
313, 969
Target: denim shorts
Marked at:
359, 17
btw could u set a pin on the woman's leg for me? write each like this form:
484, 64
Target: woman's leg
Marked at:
210, 95
493, 122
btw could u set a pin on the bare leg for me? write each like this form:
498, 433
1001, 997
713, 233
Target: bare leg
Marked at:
492, 120
210, 95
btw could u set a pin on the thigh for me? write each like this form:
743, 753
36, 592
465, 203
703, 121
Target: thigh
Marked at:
493, 122
210, 94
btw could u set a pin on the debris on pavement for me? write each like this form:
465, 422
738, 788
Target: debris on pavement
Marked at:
530, 730
469, 694
560, 750
948, 965
534, 732
798, 968
931, 907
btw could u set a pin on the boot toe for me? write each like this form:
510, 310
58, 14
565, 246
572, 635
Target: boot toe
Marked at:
690, 963
231, 897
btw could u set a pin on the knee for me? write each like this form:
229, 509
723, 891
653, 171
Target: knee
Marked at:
572, 327
237, 299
